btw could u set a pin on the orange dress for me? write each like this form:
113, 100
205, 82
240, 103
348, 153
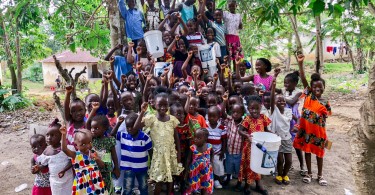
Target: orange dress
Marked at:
311, 136
252, 125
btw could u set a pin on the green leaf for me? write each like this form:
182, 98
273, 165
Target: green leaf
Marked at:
318, 7
221, 4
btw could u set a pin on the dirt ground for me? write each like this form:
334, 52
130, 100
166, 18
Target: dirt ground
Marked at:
15, 149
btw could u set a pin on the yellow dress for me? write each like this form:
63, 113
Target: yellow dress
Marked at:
164, 158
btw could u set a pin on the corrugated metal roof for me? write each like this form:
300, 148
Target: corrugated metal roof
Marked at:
68, 56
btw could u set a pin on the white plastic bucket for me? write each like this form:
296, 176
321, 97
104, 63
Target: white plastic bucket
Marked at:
264, 163
160, 66
154, 43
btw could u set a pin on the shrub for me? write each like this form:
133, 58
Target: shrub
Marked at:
12, 102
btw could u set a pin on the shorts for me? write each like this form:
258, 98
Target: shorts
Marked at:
218, 165
286, 146
232, 164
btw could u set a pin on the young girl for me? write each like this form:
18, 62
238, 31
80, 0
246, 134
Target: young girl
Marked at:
311, 136
194, 119
131, 85
59, 165
85, 163
187, 10
179, 49
291, 95
280, 125
254, 122
210, 52
262, 66
74, 114
199, 163
233, 23
105, 146
195, 73
153, 15
165, 160
41, 182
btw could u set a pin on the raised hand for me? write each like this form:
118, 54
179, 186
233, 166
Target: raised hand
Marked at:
205, 71
225, 59
277, 72
199, 92
225, 96
69, 89
95, 105
144, 106
110, 74
131, 44
138, 66
190, 54
123, 78
63, 130
120, 119
216, 76
223, 66
139, 50
300, 58
177, 37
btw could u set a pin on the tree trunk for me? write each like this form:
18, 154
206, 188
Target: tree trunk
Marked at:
290, 52
9, 56
360, 60
299, 48
319, 60
362, 143
116, 24
350, 51
19, 65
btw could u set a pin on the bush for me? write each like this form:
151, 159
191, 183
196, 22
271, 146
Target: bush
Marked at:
12, 102
34, 72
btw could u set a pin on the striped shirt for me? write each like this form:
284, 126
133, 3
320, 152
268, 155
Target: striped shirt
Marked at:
220, 32
134, 151
234, 138
195, 39
215, 136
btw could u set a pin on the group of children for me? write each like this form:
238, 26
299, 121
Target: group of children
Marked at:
187, 127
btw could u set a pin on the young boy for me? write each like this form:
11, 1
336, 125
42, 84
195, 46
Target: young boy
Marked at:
217, 138
122, 64
153, 15
135, 146
133, 20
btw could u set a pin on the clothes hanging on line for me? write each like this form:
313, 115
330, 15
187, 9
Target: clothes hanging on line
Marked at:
334, 50
329, 49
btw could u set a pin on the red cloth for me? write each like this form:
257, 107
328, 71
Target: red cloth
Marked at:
41, 191
329, 48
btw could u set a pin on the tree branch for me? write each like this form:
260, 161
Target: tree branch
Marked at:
62, 72
56, 98
79, 74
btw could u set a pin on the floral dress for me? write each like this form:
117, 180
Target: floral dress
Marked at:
88, 180
311, 136
251, 125
201, 174
164, 159
103, 146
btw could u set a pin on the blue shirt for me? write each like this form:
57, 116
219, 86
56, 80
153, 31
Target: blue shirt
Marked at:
133, 21
134, 151
121, 67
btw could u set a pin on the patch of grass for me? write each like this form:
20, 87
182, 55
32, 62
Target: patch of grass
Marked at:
347, 83
337, 67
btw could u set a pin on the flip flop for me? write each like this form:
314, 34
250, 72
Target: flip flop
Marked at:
307, 179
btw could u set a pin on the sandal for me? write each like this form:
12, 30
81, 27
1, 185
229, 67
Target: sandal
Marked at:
322, 181
303, 172
286, 180
279, 180
307, 178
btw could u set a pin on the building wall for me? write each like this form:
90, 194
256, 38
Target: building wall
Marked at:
50, 71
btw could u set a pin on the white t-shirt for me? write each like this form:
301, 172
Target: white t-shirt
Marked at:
208, 54
281, 123
289, 96
232, 22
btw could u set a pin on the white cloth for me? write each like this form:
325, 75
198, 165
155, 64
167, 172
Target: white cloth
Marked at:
232, 22
289, 96
56, 163
208, 54
168, 28
218, 165
281, 123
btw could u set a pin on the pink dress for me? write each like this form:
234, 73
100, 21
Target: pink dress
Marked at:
267, 82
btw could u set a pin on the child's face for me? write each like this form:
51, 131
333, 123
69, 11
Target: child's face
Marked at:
195, 68
77, 110
194, 103
190, 2
131, 4
267, 102
142, 45
237, 87
232, 7
204, 94
125, 50
84, 144
131, 83
151, 102
129, 127
53, 136
200, 138
210, 34
317, 88
211, 101
242, 68
167, 37
91, 98
213, 116
151, 3
181, 46
38, 145
152, 84
191, 27
179, 113
220, 91
127, 101
167, 3
111, 106
209, 85
183, 89
218, 16
233, 100
161, 105
237, 112
97, 130
280, 102
260, 67
210, 5
289, 84
254, 109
